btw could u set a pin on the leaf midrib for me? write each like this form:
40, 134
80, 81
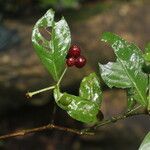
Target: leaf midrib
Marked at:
124, 67
53, 58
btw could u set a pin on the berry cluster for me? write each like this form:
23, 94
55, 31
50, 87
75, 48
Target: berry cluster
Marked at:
74, 57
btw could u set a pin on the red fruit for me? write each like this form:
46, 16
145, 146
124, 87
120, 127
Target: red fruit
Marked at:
74, 51
70, 62
80, 62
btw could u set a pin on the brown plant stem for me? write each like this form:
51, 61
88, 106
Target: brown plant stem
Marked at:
89, 131
116, 118
42, 128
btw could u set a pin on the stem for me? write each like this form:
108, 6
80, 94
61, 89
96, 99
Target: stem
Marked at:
58, 83
42, 128
30, 94
87, 131
55, 106
117, 118
134, 109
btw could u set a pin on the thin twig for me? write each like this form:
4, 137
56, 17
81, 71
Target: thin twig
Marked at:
115, 119
42, 128
30, 94
58, 83
88, 131
134, 109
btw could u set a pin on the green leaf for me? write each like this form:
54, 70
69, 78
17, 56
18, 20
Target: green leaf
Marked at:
85, 108
146, 143
81, 109
78, 108
114, 75
61, 99
130, 59
90, 89
52, 52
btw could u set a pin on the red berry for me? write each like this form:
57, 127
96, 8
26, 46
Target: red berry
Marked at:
74, 51
70, 62
80, 62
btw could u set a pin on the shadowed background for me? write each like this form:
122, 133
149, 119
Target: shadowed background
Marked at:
21, 71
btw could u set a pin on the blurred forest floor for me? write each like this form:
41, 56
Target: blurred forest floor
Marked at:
21, 71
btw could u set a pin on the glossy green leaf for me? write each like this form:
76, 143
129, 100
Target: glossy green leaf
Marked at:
114, 75
81, 109
57, 96
78, 108
61, 99
84, 108
90, 89
130, 59
52, 52
146, 143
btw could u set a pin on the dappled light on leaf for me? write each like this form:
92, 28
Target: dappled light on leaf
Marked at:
52, 50
146, 143
86, 106
126, 72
